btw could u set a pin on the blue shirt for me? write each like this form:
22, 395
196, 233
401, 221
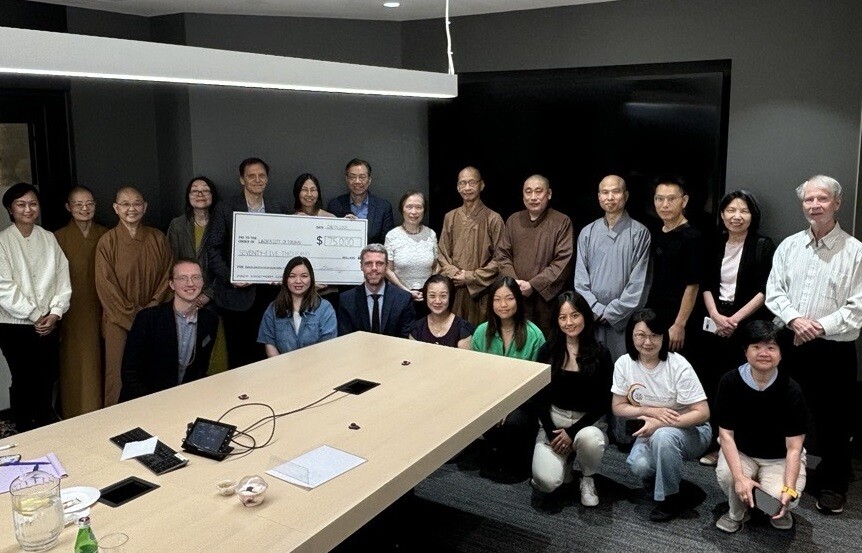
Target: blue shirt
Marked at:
361, 210
316, 326
187, 326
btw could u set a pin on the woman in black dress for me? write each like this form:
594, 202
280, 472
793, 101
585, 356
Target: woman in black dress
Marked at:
441, 326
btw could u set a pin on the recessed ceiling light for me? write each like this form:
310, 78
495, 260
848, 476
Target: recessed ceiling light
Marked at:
391, 4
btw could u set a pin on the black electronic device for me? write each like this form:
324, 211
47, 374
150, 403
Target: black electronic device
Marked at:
162, 460
766, 503
633, 425
357, 386
209, 438
124, 491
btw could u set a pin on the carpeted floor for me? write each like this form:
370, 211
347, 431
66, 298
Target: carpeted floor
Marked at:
458, 510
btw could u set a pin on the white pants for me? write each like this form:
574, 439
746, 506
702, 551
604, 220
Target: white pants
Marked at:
769, 473
550, 469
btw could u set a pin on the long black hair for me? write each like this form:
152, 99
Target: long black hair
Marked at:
520, 316
190, 211
297, 188
284, 301
588, 347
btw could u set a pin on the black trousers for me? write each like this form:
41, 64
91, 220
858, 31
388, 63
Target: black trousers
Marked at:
241, 328
826, 372
717, 356
34, 363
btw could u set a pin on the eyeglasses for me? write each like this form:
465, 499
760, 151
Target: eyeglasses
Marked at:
82, 205
200, 193
360, 178
127, 205
185, 279
644, 337
472, 183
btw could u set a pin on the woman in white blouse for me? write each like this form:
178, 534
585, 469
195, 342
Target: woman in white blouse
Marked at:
35, 291
412, 249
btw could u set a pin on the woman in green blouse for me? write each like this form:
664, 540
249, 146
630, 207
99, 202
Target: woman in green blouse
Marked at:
507, 332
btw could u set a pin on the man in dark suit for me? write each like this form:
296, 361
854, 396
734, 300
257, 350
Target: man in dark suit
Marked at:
375, 305
170, 344
359, 203
241, 304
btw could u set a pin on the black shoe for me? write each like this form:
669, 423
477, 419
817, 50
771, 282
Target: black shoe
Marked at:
502, 474
831, 503
667, 510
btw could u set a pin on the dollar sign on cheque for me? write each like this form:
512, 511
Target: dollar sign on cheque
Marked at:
319, 241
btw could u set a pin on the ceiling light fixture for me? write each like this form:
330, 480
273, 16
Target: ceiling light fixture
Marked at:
391, 4
29, 52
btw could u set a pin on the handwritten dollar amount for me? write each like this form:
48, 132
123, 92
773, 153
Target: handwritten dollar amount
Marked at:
340, 241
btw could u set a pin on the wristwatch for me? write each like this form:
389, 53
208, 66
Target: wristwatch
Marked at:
790, 491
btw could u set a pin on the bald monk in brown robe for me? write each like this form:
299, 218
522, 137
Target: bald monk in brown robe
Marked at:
80, 347
536, 250
133, 264
470, 236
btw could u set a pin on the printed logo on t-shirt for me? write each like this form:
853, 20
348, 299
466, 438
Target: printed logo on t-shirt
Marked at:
636, 393
639, 395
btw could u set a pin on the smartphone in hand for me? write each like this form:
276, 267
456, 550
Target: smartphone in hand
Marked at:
633, 425
766, 503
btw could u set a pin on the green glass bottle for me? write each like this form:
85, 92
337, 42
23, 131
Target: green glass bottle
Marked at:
86, 541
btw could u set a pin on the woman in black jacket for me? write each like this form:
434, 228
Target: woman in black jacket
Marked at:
733, 291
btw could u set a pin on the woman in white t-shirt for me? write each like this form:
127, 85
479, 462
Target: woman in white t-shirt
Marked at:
662, 390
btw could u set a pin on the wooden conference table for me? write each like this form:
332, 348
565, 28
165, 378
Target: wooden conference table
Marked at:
421, 415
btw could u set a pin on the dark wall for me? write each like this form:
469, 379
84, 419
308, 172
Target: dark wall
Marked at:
795, 88
348, 41
156, 137
298, 132
22, 14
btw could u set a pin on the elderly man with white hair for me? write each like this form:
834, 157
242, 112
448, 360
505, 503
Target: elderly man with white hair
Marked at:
815, 289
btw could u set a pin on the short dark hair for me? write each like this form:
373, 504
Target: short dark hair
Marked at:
673, 180
756, 332
16, 191
434, 279
656, 325
412, 193
190, 211
749, 200
356, 161
251, 161
297, 187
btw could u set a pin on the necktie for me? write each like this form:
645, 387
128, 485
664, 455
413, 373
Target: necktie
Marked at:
375, 314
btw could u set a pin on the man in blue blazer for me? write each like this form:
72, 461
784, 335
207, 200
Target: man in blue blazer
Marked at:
375, 305
241, 304
170, 344
359, 203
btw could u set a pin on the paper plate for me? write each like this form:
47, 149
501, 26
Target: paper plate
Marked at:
77, 498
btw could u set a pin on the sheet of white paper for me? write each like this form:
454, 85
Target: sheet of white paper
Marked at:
136, 449
316, 467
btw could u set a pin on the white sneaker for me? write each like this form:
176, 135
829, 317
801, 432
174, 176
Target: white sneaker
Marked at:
589, 497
